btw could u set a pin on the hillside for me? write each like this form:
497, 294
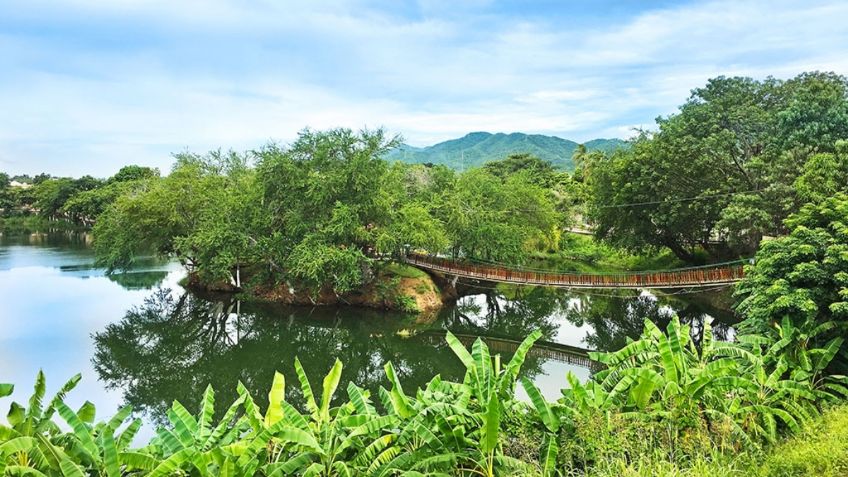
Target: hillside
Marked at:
477, 148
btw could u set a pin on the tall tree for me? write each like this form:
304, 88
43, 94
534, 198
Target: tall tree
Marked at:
719, 174
324, 194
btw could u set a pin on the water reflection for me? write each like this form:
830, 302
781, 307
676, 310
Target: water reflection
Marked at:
176, 343
613, 319
62, 314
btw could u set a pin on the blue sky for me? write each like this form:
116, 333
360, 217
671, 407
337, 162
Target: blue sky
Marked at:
87, 86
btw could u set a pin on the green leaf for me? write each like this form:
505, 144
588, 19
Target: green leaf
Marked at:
491, 424
276, 396
81, 432
87, 412
126, 437
137, 461
16, 414
251, 410
6, 389
459, 350
331, 382
305, 387
185, 427
517, 360
21, 444
207, 410
359, 399
299, 437
37, 398
110, 456
70, 469
543, 409
550, 449
172, 464
399, 401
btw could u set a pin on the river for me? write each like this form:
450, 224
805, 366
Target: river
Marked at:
139, 338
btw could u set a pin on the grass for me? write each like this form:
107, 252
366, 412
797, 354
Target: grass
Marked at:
583, 253
821, 450
403, 271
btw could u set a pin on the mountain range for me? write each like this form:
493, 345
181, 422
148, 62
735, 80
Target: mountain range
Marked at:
477, 148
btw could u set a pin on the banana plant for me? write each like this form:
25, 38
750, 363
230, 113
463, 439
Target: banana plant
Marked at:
34, 444
330, 441
550, 418
453, 425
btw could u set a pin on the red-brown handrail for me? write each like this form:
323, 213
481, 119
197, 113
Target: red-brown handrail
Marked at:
682, 278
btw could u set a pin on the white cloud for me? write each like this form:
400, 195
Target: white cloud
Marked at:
131, 80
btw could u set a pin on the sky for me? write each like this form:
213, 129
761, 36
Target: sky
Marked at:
87, 86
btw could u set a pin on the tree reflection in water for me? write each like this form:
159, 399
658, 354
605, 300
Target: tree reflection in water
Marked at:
616, 317
175, 344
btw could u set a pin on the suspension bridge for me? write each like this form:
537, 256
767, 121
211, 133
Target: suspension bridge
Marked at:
693, 277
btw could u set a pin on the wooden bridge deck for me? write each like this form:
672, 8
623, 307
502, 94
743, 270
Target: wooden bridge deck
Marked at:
680, 278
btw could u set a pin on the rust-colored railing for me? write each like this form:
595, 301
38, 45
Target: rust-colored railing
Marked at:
680, 278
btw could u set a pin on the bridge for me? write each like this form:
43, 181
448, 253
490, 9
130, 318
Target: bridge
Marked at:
694, 277
541, 349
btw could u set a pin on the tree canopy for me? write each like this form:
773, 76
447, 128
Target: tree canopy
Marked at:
720, 174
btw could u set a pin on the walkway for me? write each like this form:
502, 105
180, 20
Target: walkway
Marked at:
708, 276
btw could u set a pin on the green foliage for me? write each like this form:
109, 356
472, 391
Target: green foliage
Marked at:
447, 427
495, 220
326, 198
721, 174
539, 172
201, 212
407, 303
802, 277
662, 405
316, 215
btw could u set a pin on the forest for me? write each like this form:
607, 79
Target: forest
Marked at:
744, 169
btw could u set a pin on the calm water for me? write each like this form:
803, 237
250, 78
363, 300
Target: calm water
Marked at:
138, 338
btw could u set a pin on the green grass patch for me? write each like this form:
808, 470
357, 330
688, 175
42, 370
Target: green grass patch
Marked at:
582, 253
821, 450
402, 270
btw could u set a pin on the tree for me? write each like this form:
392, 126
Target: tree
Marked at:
824, 175
489, 219
5, 195
719, 174
802, 277
196, 213
134, 173
51, 195
538, 171
324, 197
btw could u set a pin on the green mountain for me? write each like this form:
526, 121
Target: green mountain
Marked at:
477, 148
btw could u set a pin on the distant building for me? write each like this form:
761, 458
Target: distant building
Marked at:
22, 185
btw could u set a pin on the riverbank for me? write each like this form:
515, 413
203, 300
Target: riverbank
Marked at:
395, 286
820, 450
21, 224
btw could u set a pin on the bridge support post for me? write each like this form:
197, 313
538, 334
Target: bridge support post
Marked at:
454, 280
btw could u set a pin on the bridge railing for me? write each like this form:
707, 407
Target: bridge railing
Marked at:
683, 277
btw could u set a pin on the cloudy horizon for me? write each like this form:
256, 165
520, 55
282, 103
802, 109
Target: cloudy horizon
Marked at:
89, 87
